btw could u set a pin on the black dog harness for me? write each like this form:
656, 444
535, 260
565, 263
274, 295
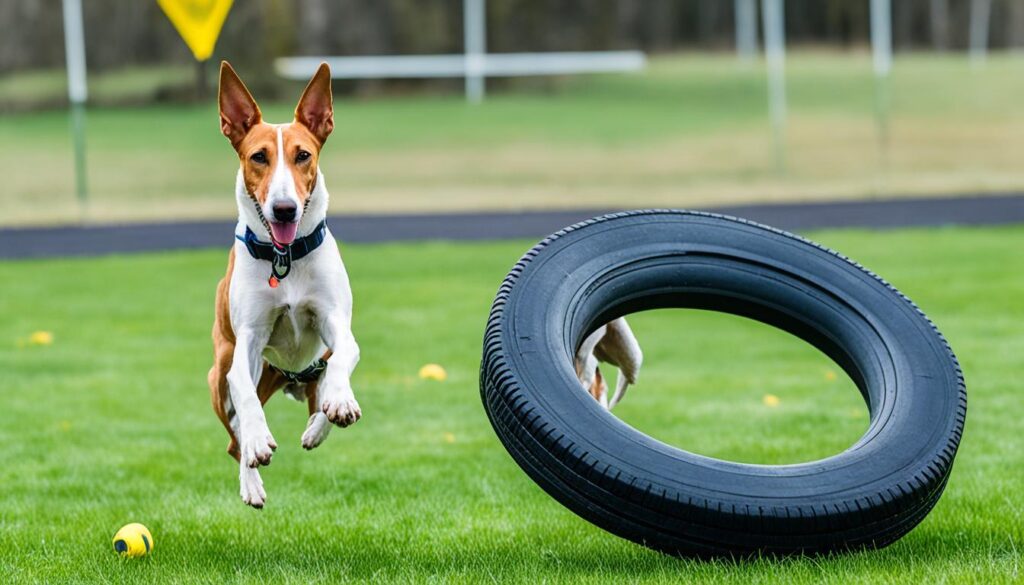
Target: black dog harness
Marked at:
310, 374
281, 256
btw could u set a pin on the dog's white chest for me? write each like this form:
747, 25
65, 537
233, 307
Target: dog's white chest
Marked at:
294, 343
295, 310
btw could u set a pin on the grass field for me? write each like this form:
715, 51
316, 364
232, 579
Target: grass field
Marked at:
689, 131
28, 90
111, 424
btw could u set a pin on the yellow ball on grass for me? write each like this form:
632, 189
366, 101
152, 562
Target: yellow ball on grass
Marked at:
433, 372
133, 540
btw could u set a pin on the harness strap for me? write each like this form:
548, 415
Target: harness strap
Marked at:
310, 374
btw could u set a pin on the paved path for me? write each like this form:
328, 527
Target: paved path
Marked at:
97, 240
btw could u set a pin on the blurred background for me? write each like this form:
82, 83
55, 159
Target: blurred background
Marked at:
691, 127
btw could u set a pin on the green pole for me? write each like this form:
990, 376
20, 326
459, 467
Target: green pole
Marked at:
78, 140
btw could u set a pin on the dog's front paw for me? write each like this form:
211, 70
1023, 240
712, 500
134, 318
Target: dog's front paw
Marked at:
252, 487
316, 430
258, 447
342, 411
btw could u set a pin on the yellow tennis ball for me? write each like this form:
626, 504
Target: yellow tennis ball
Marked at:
40, 338
433, 372
133, 540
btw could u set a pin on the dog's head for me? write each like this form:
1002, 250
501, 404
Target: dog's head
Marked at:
278, 161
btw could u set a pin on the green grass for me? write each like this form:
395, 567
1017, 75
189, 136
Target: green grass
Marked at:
689, 131
111, 424
27, 90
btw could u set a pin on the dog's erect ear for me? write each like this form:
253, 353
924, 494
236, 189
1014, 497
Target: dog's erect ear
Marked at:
316, 107
238, 111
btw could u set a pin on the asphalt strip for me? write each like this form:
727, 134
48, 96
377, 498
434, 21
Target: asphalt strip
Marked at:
94, 240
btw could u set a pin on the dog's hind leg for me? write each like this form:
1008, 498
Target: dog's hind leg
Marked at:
220, 396
586, 367
620, 348
319, 426
271, 380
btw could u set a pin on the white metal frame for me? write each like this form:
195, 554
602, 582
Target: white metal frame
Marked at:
981, 15
475, 64
773, 21
78, 91
746, 28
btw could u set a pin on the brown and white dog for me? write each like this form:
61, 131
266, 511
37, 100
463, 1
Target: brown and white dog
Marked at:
614, 344
272, 332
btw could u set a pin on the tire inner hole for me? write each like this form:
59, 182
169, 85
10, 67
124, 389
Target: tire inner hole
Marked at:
736, 389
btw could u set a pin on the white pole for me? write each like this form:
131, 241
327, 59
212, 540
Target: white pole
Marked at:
773, 21
881, 37
980, 14
78, 91
746, 29
474, 16
881, 51
939, 16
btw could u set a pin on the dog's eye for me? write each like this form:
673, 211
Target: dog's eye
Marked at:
302, 156
259, 157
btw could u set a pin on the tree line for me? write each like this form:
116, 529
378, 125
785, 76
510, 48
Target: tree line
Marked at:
135, 32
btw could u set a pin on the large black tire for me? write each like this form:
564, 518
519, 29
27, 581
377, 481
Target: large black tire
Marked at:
682, 503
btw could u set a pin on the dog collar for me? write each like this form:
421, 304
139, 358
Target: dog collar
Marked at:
282, 256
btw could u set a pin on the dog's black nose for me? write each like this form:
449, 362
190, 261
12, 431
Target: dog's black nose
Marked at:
285, 211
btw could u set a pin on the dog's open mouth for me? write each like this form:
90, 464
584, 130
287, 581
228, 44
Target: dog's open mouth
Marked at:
283, 233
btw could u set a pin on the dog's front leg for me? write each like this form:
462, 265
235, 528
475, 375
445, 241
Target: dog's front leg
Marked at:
337, 401
256, 444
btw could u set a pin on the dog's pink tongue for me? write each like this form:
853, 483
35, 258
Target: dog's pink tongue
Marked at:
284, 233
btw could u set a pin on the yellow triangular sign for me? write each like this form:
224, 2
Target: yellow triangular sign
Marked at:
198, 22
